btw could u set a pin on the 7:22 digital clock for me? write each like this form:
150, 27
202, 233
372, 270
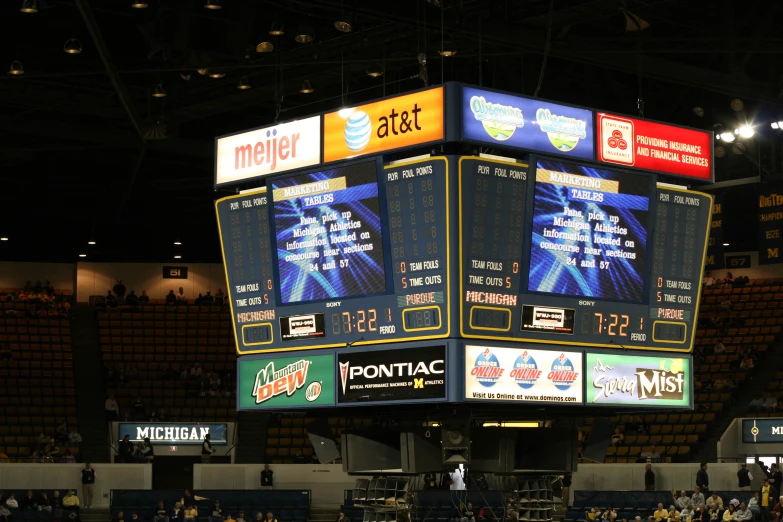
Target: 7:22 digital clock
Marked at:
359, 321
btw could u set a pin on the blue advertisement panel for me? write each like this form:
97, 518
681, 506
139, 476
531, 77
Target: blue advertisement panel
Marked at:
525, 123
173, 433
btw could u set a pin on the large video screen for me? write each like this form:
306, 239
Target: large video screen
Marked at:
589, 232
328, 234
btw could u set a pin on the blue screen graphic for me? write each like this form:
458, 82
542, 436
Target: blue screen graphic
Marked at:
589, 232
328, 234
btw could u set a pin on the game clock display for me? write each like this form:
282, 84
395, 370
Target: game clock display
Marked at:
561, 252
355, 254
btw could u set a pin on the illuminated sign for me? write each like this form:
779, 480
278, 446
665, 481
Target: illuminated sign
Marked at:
264, 151
175, 272
521, 375
393, 123
166, 434
654, 146
285, 382
547, 319
526, 123
631, 380
762, 430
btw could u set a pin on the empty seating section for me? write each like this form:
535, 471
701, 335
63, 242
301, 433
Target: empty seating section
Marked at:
37, 389
160, 341
774, 388
287, 435
630, 504
285, 505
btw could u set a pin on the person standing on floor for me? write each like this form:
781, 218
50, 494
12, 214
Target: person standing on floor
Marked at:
88, 481
206, 450
649, 478
702, 479
743, 478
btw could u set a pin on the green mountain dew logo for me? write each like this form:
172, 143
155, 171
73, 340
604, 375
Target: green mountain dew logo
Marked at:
563, 132
287, 382
500, 121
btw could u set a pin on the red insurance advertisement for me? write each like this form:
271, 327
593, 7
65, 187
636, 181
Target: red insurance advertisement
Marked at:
654, 146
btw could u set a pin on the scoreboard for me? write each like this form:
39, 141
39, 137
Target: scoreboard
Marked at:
558, 252
351, 255
543, 251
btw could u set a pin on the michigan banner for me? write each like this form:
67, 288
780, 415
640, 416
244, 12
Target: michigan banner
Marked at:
770, 225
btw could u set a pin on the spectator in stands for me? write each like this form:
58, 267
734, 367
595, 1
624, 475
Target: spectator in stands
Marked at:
88, 482
219, 296
743, 513
698, 499
592, 515
673, 513
57, 505
161, 515
708, 280
5, 513
74, 439
68, 457
617, 437
125, 449
29, 502
111, 300
12, 503
660, 513
139, 410
753, 505
44, 502
191, 514
714, 500
267, 478
182, 299
702, 480
147, 452
651, 455
747, 363
719, 347
120, 517
775, 476
777, 510
229, 518
144, 298
208, 300
713, 514
270, 517
206, 450
177, 513
649, 479
756, 405
702, 514
217, 512
299, 458
682, 501
170, 300
241, 516
119, 291
71, 501
766, 495
260, 517
112, 409
132, 299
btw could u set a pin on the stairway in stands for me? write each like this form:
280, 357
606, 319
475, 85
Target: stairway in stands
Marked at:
88, 373
252, 429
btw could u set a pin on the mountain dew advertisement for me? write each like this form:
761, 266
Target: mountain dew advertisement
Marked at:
632, 380
532, 124
285, 382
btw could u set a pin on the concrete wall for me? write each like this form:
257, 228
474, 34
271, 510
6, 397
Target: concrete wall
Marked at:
61, 275
65, 476
630, 477
327, 482
730, 445
98, 278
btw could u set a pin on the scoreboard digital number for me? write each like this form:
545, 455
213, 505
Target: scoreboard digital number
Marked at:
351, 255
556, 252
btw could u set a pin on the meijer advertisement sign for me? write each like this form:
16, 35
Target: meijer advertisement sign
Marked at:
286, 382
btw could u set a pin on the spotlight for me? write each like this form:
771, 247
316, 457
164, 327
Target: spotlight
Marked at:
375, 70
91, 242
343, 26
72, 46
177, 256
16, 68
216, 74
213, 4
698, 111
265, 46
447, 52
177, 242
158, 91
29, 6
306, 87
202, 72
736, 104
82, 255
243, 85
139, 5
746, 131
727, 137
277, 29
775, 125
725, 244
3, 238
304, 34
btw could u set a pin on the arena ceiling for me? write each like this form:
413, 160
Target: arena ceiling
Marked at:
88, 153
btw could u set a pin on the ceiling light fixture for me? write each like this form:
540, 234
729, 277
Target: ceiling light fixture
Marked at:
244, 84
185, 76
304, 34
82, 255
277, 29
265, 46
306, 87
213, 4
725, 244
737, 104
746, 131
16, 68
177, 256
158, 91
216, 74
177, 242
727, 137
775, 125
29, 6
720, 152
375, 70
72, 46
3, 238
698, 111
202, 72
343, 26
91, 242
139, 5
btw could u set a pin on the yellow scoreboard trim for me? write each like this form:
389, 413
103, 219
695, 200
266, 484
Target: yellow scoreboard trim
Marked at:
358, 343
479, 307
684, 337
272, 339
570, 343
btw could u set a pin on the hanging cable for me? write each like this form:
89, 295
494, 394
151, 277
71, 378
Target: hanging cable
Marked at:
546, 48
